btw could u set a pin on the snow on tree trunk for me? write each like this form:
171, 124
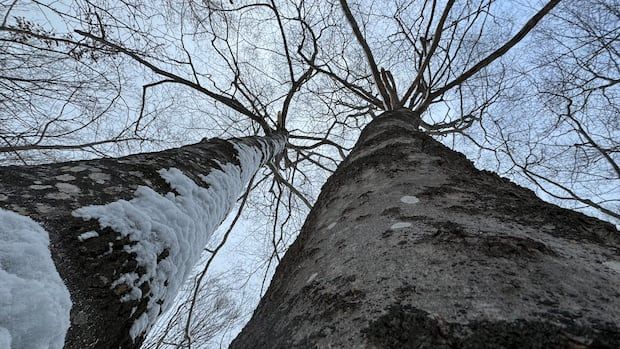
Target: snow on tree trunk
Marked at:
35, 304
411, 246
124, 233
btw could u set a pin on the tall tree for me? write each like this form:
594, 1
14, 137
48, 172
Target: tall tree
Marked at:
410, 246
455, 257
125, 233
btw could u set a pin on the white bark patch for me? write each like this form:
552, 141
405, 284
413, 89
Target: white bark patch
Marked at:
400, 225
312, 277
331, 225
67, 188
74, 169
407, 199
19, 209
65, 177
180, 224
43, 208
58, 196
113, 190
34, 302
99, 177
613, 265
88, 235
40, 187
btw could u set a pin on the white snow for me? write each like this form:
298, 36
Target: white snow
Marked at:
5, 338
88, 235
141, 323
407, 199
34, 302
181, 224
331, 225
400, 225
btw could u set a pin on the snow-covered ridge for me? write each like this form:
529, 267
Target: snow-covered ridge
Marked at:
181, 224
34, 302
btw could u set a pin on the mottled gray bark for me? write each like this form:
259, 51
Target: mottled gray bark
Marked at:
410, 246
50, 193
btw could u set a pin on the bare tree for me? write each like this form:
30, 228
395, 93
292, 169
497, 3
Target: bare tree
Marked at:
442, 264
57, 92
216, 311
125, 233
409, 245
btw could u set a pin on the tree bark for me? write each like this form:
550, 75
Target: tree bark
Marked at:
93, 264
409, 245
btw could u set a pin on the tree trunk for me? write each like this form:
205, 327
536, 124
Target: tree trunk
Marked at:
410, 246
124, 233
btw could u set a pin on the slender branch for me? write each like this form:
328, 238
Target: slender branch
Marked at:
531, 23
8, 11
572, 194
63, 147
281, 179
371, 60
429, 54
230, 102
143, 100
212, 257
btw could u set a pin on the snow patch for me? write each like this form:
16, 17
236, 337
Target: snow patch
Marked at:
407, 199
5, 338
331, 225
88, 235
179, 224
400, 225
142, 322
34, 302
